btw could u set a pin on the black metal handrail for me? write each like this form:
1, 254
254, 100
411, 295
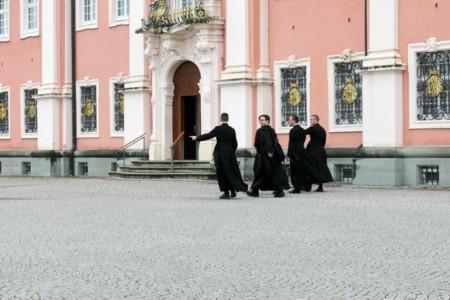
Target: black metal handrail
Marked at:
172, 149
131, 143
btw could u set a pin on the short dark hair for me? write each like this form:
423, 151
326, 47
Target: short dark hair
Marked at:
224, 117
266, 117
295, 118
315, 116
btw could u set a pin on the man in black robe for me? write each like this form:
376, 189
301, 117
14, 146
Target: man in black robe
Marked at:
300, 163
316, 151
227, 168
268, 168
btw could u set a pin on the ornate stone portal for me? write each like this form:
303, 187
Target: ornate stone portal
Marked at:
201, 44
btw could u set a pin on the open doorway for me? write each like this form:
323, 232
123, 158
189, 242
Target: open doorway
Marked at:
186, 110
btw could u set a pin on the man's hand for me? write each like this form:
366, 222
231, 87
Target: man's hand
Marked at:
193, 137
270, 155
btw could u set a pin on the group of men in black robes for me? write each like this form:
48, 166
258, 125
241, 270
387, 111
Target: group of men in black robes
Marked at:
308, 166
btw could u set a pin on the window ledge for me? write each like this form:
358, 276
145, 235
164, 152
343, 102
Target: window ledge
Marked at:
119, 22
430, 125
29, 136
5, 137
346, 128
26, 35
87, 135
4, 39
87, 26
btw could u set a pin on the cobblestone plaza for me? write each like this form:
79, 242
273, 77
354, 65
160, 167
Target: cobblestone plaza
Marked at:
131, 239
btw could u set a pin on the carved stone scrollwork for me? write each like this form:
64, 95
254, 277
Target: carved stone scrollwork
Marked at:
346, 55
431, 44
291, 61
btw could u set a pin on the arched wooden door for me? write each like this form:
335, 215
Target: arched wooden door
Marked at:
186, 109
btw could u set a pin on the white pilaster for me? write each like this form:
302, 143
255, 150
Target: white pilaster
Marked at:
67, 88
137, 85
382, 78
264, 81
236, 93
48, 96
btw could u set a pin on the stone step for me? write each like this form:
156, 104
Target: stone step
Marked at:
167, 163
162, 175
161, 169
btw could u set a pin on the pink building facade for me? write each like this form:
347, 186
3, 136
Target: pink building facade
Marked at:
377, 72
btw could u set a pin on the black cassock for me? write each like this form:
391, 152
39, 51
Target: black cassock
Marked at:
302, 170
269, 172
227, 168
316, 151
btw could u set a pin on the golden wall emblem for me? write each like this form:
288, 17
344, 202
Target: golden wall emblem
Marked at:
434, 84
294, 94
122, 104
89, 108
3, 112
32, 110
349, 92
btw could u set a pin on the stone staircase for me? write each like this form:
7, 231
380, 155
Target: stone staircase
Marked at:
183, 169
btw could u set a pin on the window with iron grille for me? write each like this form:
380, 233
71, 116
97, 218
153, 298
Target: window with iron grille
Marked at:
4, 113
294, 94
83, 169
30, 111
344, 173
89, 109
4, 18
89, 10
26, 168
348, 93
433, 86
119, 107
429, 175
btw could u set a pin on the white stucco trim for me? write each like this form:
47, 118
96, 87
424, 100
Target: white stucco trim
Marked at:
112, 81
290, 63
115, 20
413, 49
23, 87
80, 23
24, 33
80, 84
8, 90
332, 60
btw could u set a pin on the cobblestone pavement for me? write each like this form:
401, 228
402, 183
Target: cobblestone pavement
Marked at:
126, 239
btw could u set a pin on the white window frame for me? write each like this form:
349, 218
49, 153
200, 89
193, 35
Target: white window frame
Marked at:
25, 32
81, 24
80, 84
413, 49
27, 86
112, 81
332, 60
8, 90
114, 19
290, 63
5, 36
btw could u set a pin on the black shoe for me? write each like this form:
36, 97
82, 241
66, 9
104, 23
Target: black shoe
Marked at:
253, 193
319, 189
295, 191
278, 194
225, 196
233, 194
308, 188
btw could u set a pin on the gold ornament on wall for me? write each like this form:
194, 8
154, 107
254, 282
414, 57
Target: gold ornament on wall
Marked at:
121, 104
31, 110
294, 94
349, 92
89, 108
434, 84
3, 112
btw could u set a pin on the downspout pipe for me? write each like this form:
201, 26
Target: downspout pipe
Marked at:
74, 88
365, 27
